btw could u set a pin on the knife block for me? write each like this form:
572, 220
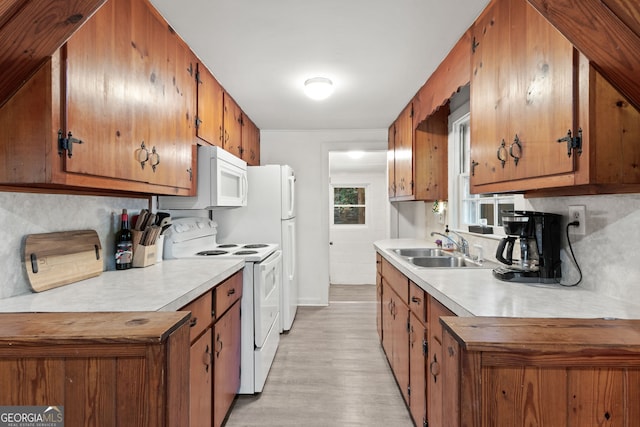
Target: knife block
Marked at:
143, 256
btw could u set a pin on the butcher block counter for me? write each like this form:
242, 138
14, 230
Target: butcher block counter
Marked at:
95, 369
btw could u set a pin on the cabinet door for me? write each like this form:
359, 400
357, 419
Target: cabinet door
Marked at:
387, 319
232, 126
431, 156
404, 154
435, 388
250, 142
490, 91
400, 337
200, 384
226, 335
210, 108
542, 95
522, 96
379, 302
417, 370
130, 97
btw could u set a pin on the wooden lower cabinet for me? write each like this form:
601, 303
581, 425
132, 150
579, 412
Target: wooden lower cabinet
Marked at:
435, 382
395, 318
417, 370
102, 369
406, 319
571, 372
201, 381
226, 362
215, 352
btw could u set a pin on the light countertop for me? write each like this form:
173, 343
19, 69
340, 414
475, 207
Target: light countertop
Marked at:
475, 292
165, 286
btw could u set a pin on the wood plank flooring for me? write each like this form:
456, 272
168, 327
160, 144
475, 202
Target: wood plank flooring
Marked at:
329, 371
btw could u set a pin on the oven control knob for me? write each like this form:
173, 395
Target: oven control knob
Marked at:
200, 225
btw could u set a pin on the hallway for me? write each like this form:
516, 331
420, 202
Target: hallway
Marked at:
330, 370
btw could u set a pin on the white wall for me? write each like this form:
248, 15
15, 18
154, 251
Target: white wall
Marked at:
308, 152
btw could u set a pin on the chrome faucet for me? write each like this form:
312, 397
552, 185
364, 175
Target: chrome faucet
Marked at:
462, 243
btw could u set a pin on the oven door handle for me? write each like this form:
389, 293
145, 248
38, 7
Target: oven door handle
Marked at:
265, 265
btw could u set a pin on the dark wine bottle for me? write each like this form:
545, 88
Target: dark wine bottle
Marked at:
124, 244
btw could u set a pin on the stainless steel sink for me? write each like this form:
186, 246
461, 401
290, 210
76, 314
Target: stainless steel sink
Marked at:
420, 252
443, 261
438, 258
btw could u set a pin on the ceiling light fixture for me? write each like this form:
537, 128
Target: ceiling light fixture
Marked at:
318, 88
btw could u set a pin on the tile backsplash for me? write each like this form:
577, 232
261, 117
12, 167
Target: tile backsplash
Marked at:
25, 213
607, 253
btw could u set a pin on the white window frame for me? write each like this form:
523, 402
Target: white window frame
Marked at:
459, 183
365, 205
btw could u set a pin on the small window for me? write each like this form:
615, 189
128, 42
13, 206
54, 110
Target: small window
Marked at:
349, 206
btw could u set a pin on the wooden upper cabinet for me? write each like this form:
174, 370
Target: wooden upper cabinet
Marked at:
403, 155
232, 126
140, 128
210, 108
26, 46
543, 119
431, 156
250, 142
522, 95
221, 122
124, 86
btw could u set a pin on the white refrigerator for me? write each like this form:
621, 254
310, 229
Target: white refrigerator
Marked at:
268, 217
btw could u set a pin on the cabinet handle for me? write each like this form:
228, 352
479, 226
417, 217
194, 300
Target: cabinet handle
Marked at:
193, 322
416, 300
207, 358
142, 154
221, 135
434, 368
516, 142
473, 167
154, 159
219, 344
502, 153
231, 291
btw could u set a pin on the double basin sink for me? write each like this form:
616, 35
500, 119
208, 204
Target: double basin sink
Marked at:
439, 258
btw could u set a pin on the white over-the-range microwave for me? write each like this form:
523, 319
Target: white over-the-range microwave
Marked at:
222, 182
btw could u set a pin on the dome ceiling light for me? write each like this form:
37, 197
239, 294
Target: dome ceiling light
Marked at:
318, 88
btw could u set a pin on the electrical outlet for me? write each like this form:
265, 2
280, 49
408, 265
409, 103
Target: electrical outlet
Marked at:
578, 213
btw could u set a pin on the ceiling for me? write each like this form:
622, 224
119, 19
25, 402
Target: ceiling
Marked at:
378, 53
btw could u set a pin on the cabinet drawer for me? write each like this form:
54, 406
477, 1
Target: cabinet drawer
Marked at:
398, 281
201, 316
417, 302
226, 293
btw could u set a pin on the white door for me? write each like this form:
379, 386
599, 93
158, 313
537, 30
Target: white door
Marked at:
357, 218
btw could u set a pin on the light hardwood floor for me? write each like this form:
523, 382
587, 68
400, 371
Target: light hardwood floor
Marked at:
329, 371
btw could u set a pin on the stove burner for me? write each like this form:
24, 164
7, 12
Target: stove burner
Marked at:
213, 252
255, 246
228, 245
245, 252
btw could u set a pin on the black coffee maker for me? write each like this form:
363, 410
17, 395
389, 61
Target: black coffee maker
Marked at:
539, 241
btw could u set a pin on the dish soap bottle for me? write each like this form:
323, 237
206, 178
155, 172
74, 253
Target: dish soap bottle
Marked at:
124, 244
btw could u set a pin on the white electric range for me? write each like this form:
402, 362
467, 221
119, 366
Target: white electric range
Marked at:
195, 237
